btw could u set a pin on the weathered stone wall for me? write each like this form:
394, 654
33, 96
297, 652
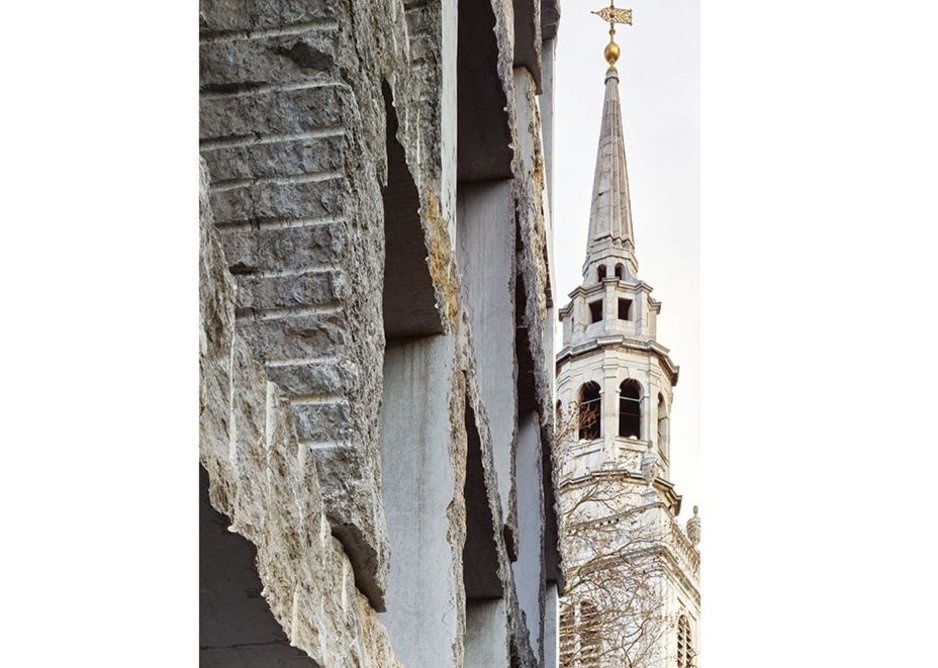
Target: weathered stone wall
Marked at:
262, 477
345, 402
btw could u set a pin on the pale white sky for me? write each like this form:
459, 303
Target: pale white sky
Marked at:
659, 89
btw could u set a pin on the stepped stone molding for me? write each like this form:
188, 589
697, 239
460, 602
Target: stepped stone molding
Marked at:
262, 479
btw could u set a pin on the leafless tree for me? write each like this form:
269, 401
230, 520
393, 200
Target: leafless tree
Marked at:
612, 611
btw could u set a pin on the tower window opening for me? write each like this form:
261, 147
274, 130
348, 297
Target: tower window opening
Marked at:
590, 635
596, 311
630, 409
625, 309
590, 426
601, 273
685, 648
567, 638
620, 271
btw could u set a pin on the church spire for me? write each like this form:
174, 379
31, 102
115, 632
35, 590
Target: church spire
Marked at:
610, 229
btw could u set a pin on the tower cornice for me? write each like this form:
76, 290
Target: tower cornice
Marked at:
620, 341
599, 288
664, 488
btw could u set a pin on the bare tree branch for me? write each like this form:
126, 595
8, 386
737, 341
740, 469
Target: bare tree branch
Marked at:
612, 611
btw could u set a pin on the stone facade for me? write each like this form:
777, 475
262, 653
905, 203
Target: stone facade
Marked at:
376, 313
633, 597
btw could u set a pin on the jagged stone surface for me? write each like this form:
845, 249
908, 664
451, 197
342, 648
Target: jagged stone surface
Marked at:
294, 97
261, 479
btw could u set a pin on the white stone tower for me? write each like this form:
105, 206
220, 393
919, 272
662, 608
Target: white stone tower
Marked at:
633, 589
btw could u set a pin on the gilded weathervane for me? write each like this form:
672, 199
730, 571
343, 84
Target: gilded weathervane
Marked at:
612, 15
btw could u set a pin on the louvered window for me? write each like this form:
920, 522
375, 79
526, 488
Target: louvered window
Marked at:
567, 638
590, 636
685, 647
580, 636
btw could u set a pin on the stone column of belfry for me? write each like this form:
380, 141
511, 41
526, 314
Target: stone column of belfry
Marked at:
610, 403
609, 301
620, 347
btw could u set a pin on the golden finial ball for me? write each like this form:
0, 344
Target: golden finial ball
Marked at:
611, 53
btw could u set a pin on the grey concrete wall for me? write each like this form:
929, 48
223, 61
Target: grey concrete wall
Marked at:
546, 102
529, 569
551, 625
486, 253
419, 485
533, 215
487, 643
449, 31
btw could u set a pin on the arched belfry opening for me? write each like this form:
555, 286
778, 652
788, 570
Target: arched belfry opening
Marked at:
601, 273
620, 271
589, 404
630, 409
664, 427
